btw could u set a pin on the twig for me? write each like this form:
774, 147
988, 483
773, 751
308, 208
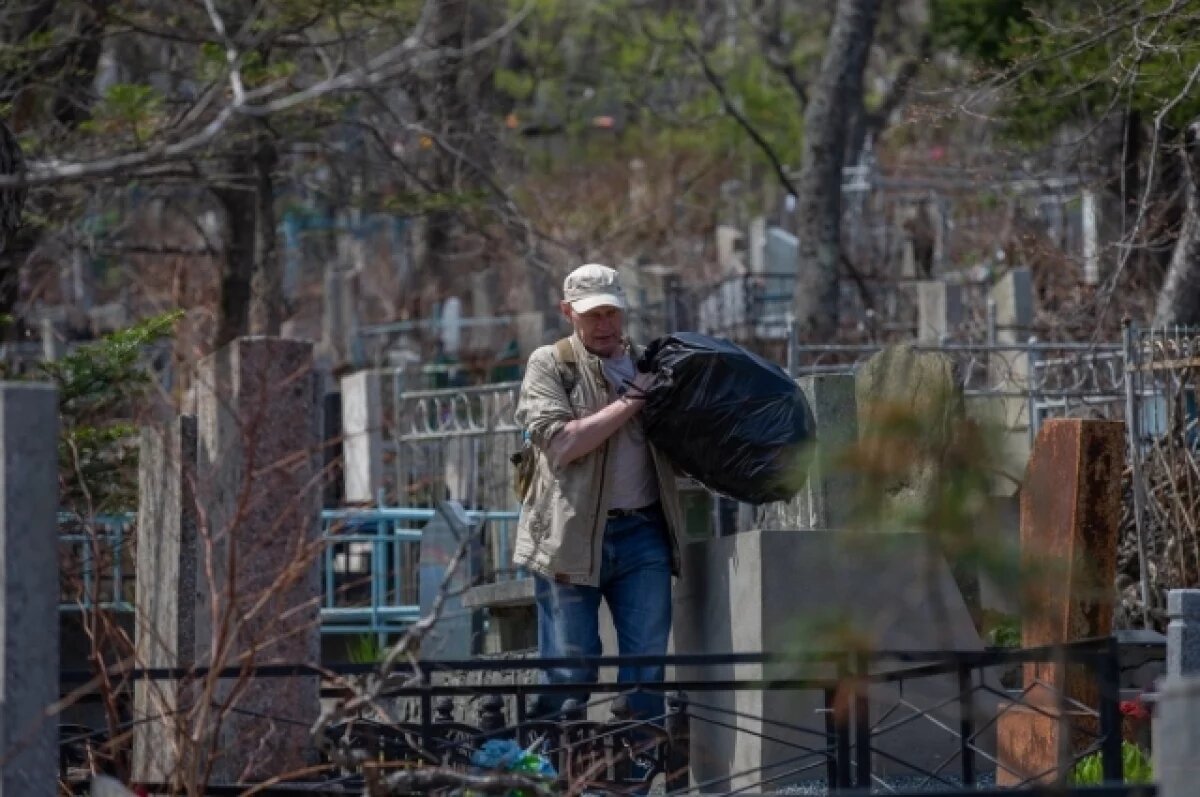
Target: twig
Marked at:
410, 54
715, 81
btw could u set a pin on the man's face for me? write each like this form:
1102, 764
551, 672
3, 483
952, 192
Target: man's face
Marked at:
598, 328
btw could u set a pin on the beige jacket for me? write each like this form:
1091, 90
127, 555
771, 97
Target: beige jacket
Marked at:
561, 531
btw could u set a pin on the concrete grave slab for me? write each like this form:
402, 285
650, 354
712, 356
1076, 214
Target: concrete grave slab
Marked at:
770, 590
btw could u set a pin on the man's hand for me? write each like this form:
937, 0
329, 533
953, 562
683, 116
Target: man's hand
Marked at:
584, 435
641, 383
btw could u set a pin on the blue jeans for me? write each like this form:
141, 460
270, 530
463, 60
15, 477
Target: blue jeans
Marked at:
635, 581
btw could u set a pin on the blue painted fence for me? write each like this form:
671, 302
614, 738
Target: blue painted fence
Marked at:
369, 566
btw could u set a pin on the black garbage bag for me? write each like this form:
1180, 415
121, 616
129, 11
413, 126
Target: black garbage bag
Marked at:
726, 417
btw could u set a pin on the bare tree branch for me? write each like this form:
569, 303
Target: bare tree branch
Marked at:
715, 81
232, 56
408, 55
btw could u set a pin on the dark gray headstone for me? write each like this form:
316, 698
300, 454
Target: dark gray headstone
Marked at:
458, 630
29, 589
257, 434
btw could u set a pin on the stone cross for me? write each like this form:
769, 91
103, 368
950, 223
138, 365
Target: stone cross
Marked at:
29, 589
260, 490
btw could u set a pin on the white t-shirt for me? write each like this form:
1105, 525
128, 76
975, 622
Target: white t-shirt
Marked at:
634, 484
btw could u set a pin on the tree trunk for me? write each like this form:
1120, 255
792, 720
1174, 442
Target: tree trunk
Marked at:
233, 304
1179, 299
266, 282
451, 97
251, 300
819, 206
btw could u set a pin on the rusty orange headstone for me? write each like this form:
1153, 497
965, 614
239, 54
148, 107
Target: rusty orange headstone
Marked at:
1070, 518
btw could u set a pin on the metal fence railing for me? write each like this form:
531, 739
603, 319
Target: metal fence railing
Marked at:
865, 712
96, 563
1163, 425
452, 444
369, 565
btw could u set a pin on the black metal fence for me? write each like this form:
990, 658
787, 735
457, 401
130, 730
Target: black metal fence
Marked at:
861, 703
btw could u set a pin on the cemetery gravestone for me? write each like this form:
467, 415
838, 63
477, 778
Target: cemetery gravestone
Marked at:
940, 310
899, 386
758, 591
1070, 516
1010, 370
1183, 632
781, 253
767, 591
1177, 736
910, 409
728, 249
258, 483
362, 442
755, 244
167, 563
29, 589
459, 631
827, 497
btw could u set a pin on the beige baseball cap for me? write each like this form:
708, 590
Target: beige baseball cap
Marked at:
591, 286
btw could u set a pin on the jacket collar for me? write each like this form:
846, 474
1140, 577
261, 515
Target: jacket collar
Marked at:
631, 347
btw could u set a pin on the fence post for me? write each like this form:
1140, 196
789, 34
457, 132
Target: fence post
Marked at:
792, 343
1133, 429
841, 710
966, 724
427, 713
832, 739
862, 721
678, 728
1033, 390
1109, 678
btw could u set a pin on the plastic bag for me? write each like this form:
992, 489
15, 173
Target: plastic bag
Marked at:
726, 417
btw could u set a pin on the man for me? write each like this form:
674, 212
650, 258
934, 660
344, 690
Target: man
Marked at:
602, 517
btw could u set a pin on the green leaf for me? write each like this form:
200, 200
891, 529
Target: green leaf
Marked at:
99, 384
